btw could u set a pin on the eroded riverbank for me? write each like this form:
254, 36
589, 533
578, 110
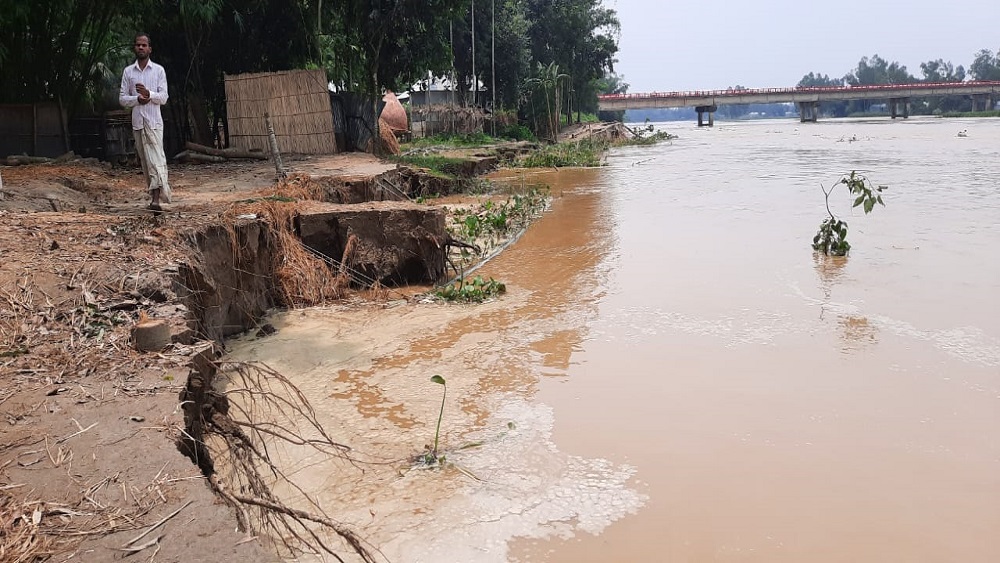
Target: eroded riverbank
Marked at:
75, 392
368, 372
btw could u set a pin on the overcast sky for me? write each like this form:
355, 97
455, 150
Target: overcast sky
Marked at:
693, 45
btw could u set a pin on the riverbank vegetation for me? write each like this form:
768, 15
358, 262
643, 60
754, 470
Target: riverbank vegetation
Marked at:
589, 152
991, 113
555, 59
476, 290
441, 166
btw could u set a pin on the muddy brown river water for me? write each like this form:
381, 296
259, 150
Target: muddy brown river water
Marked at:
674, 376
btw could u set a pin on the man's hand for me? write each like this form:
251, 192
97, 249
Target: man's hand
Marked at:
143, 94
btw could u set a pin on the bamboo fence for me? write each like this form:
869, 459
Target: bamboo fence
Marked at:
298, 102
427, 121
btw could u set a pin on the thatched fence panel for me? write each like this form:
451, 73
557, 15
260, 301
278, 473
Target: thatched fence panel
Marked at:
299, 105
426, 121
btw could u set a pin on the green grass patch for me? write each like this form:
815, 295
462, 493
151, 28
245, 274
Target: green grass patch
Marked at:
584, 153
453, 140
989, 113
441, 166
491, 224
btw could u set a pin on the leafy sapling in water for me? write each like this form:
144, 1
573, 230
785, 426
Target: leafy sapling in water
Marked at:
431, 458
831, 239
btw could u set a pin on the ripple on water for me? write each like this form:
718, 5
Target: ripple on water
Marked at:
744, 327
967, 343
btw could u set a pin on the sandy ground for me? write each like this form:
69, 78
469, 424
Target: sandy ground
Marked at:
88, 460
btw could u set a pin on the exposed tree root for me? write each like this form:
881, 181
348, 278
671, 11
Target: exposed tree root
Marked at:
449, 243
235, 420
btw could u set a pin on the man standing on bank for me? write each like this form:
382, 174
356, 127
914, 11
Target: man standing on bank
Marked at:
144, 89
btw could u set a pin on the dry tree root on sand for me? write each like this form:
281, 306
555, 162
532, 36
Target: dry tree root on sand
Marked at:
253, 406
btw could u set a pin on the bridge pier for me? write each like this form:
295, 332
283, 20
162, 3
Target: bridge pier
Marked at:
894, 105
808, 111
710, 110
985, 99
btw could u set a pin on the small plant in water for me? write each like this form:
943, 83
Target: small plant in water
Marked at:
831, 239
431, 457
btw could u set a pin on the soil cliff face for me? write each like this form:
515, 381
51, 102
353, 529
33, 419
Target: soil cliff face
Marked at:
231, 282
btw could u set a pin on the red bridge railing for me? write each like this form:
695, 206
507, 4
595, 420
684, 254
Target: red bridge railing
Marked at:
800, 89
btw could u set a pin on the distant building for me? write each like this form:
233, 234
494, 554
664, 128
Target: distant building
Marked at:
435, 90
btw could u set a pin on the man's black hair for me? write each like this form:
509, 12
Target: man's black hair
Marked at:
144, 34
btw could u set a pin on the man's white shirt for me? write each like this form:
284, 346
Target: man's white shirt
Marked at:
154, 78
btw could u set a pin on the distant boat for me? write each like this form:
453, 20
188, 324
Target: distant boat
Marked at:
963, 133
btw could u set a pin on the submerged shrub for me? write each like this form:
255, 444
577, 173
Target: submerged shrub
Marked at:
831, 239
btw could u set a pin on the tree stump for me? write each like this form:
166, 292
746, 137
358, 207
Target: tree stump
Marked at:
151, 335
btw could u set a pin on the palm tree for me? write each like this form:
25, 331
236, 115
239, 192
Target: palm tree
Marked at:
550, 82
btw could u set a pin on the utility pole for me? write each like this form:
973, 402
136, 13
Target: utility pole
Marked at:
475, 85
493, 70
453, 86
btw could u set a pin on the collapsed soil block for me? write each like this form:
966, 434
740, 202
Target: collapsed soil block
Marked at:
393, 185
397, 242
477, 165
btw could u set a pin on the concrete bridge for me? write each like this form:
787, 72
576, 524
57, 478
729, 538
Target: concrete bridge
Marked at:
983, 93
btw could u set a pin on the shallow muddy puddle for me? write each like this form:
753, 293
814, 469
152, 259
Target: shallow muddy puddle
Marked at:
673, 376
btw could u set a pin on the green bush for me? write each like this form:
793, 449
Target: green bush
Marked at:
516, 132
584, 153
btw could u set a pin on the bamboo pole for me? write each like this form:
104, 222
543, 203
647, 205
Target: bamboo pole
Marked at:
278, 167
231, 152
